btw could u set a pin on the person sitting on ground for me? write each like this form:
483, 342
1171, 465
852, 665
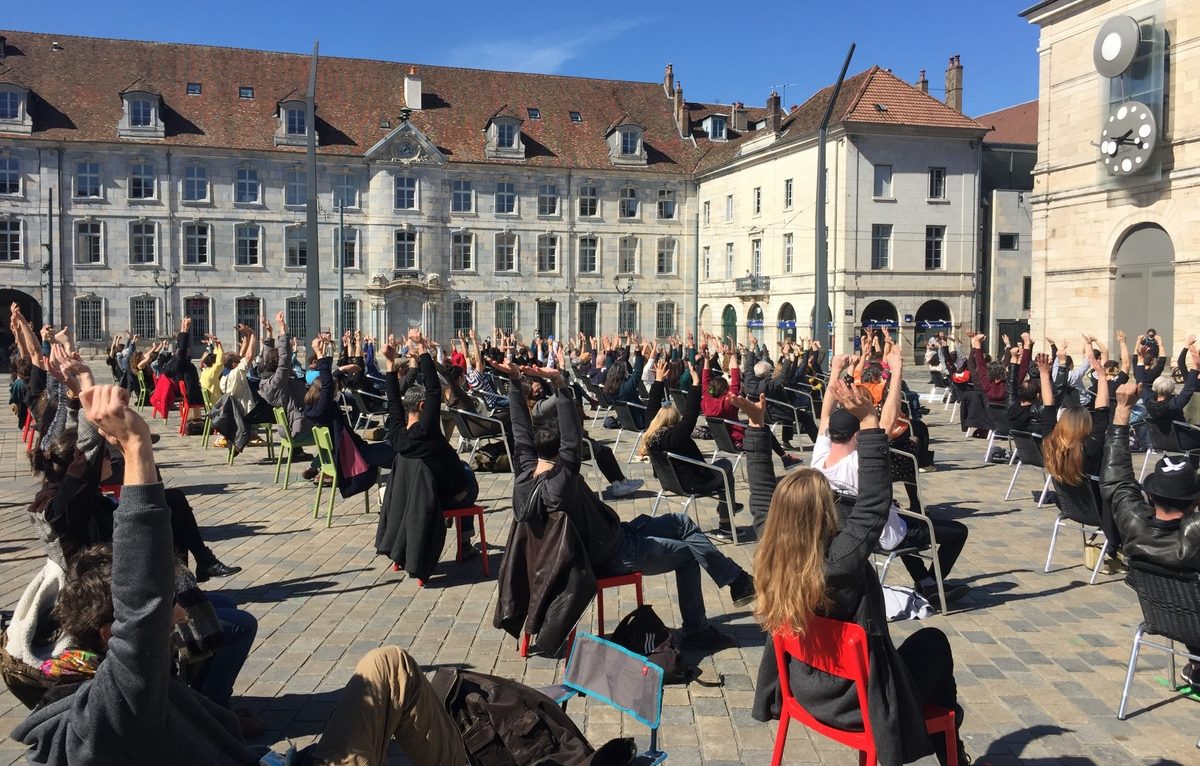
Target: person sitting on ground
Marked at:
1166, 531
670, 542
670, 431
836, 456
814, 560
1164, 406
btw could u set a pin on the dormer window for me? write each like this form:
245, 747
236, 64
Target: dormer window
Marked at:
715, 127
504, 136
631, 139
10, 105
625, 144
142, 117
293, 124
14, 112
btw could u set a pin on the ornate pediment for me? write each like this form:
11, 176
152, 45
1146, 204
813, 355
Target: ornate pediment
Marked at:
406, 145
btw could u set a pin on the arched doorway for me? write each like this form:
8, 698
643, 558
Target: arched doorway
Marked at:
1144, 295
729, 324
812, 324
30, 309
787, 323
880, 314
933, 317
754, 322
704, 318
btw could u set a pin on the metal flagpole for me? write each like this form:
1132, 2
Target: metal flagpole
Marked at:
821, 326
312, 272
341, 272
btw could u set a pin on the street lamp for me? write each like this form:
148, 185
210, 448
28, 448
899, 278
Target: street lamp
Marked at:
166, 281
624, 291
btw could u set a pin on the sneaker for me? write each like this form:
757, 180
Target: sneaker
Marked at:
624, 487
790, 460
470, 548
723, 531
708, 638
215, 569
741, 590
1191, 674
927, 468
953, 593
310, 473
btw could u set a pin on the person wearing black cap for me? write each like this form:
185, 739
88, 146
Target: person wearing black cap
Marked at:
1166, 533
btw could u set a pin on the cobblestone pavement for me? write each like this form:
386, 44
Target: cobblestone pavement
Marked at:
1040, 658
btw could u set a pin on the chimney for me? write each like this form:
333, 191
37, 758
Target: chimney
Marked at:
681, 112
774, 117
669, 81
737, 117
954, 84
412, 89
3, 45
923, 83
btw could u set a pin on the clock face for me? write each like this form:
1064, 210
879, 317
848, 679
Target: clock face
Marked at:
1129, 137
406, 149
1116, 45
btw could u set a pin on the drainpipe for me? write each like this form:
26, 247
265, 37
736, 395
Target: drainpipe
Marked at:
565, 332
696, 275
62, 241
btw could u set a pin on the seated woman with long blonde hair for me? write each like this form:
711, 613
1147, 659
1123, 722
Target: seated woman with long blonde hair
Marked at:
814, 559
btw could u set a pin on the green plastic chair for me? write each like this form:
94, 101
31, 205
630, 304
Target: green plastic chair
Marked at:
287, 445
266, 431
144, 392
208, 406
324, 441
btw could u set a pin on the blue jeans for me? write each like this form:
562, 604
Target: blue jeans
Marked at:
673, 543
217, 674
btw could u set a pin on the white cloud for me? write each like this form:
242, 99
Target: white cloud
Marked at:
543, 53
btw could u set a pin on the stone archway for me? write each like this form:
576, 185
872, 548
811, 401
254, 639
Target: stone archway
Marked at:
787, 323
30, 308
933, 317
754, 322
729, 324
1144, 293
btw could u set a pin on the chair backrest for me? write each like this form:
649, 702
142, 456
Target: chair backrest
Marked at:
906, 471
1170, 601
999, 416
831, 646
1160, 440
722, 437
324, 441
183, 391
679, 398
624, 412
281, 420
664, 471
1078, 501
1029, 447
614, 675
474, 425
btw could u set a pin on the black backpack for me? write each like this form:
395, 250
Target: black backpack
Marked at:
643, 632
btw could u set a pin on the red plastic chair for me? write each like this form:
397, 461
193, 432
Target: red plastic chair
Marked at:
162, 398
184, 408
840, 649
602, 583
28, 434
111, 489
458, 514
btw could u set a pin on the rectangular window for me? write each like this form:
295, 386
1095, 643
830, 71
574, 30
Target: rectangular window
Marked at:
460, 317
1026, 293
1010, 242
506, 199
296, 311
707, 213
141, 181
937, 183
142, 242
349, 314
10, 105
729, 208
756, 257
506, 252
345, 190
629, 142
757, 200
627, 315
195, 183
141, 114
506, 135
576, 117
934, 236
247, 311
589, 201
406, 250
247, 245
296, 120
788, 253
881, 246
587, 318
89, 318
547, 253
664, 320
461, 251
194, 88
728, 260
883, 181
143, 315
707, 262
349, 248
296, 241
295, 191
246, 189
195, 244
534, 113
588, 262
547, 318
462, 199
717, 128
665, 261
87, 180
506, 315
10, 240
627, 256
548, 199
666, 205
88, 242
629, 203
406, 193
199, 310
787, 194
245, 91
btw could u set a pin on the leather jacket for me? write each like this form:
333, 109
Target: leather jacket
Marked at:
1170, 545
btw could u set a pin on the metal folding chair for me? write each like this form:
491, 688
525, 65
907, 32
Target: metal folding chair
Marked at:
1077, 505
723, 438
624, 412
662, 465
1028, 451
367, 416
912, 517
474, 429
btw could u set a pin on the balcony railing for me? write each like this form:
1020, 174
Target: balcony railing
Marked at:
752, 284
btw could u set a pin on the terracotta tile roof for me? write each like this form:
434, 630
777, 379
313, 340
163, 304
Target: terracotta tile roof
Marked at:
1014, 125
76, 98
697, 112
903, 104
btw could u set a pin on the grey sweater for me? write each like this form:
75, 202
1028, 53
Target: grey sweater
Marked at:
133, 711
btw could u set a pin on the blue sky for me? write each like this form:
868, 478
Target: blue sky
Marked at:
722, 51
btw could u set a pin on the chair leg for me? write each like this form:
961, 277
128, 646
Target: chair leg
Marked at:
1133, 658
636, 442
1053, 540
317, 502
329, 511
1100, 563
1045, 491
278, 465
658, 499
780, 740
523, 647
600, 609
987, 455
884, 569
1014, 481
458, 555
637, 585
483, 549
287, 474
1145, 464
1174, 677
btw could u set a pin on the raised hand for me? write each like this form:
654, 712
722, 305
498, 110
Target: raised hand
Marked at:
753, 410
660, 371
1127, 394
505, 368
108, 407
1042, 361
554, 377
856, 401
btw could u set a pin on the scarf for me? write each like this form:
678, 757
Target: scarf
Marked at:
72, 662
